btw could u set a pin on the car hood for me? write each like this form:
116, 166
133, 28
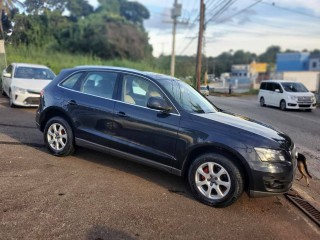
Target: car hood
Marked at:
34, 85
245, 125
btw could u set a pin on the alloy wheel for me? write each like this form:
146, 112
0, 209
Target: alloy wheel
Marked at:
57, 136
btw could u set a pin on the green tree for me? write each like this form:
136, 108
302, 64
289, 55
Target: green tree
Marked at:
134, 12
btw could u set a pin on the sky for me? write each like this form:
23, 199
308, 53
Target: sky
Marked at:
249, 25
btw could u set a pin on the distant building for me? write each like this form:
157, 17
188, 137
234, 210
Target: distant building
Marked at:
258, 72
295, 61
314, 62
240, 70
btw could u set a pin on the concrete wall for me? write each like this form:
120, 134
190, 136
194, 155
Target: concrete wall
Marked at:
309, 78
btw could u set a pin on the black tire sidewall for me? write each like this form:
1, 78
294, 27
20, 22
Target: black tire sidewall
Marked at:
283, 101
237, 183
69, 147
262, 103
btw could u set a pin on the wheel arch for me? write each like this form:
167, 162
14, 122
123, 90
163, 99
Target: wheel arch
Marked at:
55, 112
235, 157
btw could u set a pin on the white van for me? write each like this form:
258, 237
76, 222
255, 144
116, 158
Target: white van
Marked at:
286, 95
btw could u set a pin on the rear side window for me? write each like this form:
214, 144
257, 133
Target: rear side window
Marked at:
270, 86
99, 84
71, 82
263, 86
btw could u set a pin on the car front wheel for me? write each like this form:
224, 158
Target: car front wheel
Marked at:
215, 180
283, 105
58, 137
11, 104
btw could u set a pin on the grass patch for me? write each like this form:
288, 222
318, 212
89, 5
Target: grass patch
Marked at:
59, 60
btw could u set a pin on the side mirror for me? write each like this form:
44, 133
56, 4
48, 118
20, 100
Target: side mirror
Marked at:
277, 90
158, 103
8, 75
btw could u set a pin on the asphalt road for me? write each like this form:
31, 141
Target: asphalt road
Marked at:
95, 196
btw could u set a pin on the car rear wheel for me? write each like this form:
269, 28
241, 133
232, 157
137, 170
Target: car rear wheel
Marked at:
262, 103
2, 91
215, 180
58, 137
283, 105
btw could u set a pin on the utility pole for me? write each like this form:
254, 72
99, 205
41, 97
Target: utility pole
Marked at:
175, 13
199, 52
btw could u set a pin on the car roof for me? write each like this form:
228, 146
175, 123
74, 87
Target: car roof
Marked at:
153, 75
29, 65
279, 81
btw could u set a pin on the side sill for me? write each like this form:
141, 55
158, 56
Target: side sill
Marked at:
131, 157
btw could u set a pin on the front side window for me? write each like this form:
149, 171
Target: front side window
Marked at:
99, 84
137, 90
34, 73
187, 97
9, 69
294, 87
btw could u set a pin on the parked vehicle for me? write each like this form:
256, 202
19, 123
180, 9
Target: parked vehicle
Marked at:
286, 95
204, 90
162, 122
22, 83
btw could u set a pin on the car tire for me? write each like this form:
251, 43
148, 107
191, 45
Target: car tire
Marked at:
11, 104
215, 180
283, 105
262, 102
58, 137
2, 91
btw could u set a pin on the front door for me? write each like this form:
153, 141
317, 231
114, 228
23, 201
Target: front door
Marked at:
140, 131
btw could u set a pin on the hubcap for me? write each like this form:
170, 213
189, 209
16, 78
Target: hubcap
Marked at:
57, 136
212, 180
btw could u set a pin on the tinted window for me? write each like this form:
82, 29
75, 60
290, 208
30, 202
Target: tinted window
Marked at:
294, 87
263, 86
34, 73
277, 86
270, 86
100, 84
9, 69
71, 82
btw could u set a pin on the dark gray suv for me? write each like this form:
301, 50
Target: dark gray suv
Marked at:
162, 122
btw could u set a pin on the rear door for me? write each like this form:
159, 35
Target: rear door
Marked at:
143, 133
90, 105
269, 94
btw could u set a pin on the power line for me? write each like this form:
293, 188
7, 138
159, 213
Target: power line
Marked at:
289, 10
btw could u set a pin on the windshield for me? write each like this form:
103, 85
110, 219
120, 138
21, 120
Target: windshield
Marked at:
188, 98
34, 73
294, 87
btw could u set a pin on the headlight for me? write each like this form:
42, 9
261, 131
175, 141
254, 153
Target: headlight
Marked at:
270, 155
295, 98
20, 90
313, 98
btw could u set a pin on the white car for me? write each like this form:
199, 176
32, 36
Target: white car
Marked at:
286, 95
23, 82
204, 90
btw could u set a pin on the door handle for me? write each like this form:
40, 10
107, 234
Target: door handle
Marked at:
121, 114
72, 102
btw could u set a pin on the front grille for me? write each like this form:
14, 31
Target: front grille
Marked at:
304, 99
304, 105
32, 100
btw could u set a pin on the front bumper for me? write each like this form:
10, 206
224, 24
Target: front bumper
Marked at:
273, 178
26, 99
300, 105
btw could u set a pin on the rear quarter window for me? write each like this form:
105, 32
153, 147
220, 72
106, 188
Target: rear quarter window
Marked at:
263, 86
71, 82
